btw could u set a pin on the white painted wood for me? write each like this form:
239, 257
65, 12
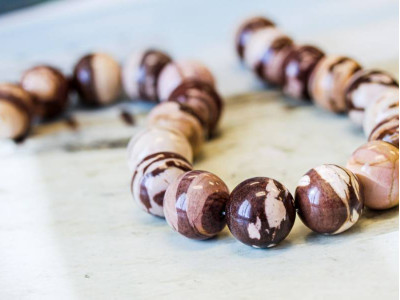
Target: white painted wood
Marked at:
69, 228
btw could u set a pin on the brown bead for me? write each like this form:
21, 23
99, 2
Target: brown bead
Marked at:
387, 131
260, 212
248, 27
194, 205
49, 89
329, 199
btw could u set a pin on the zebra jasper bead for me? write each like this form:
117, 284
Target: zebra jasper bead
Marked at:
329, 199
194, 205
260, 212
152, 177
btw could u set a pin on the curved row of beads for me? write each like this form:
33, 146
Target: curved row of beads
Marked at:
260, 211
43, 92
339, 84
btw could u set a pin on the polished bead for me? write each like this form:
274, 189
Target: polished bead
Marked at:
140, 74
376, 164
179, 117
194, 205
154, 140
329, 199
97, 79
152, 177
364, 88
387, 130
328, 82
177, 72
260, 212
49, 89
246, 29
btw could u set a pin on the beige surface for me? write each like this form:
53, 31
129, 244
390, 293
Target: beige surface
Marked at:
70, 230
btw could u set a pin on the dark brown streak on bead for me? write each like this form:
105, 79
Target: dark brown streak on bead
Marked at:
144, 195
213, 213
84, 81
390, 135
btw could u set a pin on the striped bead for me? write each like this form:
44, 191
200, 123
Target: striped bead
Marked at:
152, 177
329, 199
194, 205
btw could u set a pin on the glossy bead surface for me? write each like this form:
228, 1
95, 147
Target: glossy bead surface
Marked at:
385, 107
16, 109
246, 29
194, 205
152, 177
328, 82
140, 74
376, 164
154, 140
387, 130
97, 79
177, 72
298, 67
260, 212
180, 117
329, 199
49, 89
266, 52
364, 88
204, 101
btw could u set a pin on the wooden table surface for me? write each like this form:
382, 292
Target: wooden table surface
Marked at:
68, 226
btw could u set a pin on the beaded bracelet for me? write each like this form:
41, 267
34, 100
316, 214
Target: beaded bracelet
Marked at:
260, 211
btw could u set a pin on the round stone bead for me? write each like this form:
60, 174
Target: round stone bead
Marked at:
177, 72
16, 108
97, 79
376, 164
140, 74
246, 29
194, 205
328, 82
385, 107
155, 140
180, 117
364, 88
387, 131
260, 212
266, 52
329, 199
204, 101
298, 67
152, 177
49, 90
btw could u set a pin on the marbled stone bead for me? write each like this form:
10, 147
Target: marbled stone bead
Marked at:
49, 90
152, 177
246, 29
364, 88
266, 52
376, 164
385, 107
16, 111
97, 79
298, 67
329, 199
328, 82
260, 212
140, 74
204, 101
180, 117
177, 72
387, 130
194, 205
155, 140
